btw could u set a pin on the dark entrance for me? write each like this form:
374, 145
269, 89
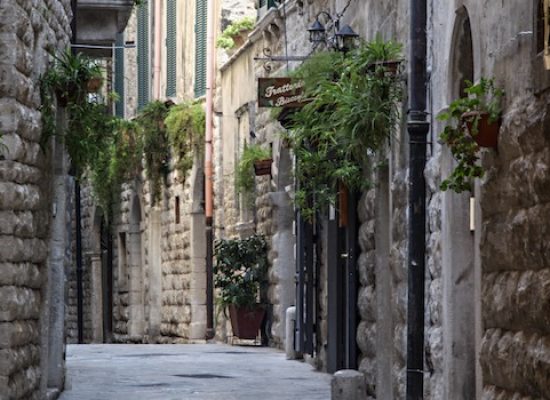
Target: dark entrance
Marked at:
337, 231
106, 244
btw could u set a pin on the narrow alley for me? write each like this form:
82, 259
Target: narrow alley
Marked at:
193, 371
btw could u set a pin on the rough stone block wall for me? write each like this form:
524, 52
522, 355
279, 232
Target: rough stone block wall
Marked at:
515, 254
28, 32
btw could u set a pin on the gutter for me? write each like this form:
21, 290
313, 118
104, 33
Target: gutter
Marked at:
418, 128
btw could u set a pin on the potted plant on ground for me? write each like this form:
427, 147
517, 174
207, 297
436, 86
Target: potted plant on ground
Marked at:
239, 270
473, 122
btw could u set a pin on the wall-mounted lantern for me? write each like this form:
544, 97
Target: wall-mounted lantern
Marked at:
326, 30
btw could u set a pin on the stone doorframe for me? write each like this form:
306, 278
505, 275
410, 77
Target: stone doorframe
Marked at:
457, 244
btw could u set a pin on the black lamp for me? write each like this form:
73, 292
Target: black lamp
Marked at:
317, 32
345, 38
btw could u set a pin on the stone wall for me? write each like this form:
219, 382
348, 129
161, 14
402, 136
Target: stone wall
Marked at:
514, 256
29, 31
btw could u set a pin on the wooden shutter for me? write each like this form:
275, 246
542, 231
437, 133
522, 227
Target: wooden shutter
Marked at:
171, 64
200, 47
119, 74
143, 54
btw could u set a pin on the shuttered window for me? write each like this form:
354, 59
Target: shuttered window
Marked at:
143, 73
119, 75
200, 47
171, 64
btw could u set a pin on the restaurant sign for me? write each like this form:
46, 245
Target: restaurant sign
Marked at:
280, 92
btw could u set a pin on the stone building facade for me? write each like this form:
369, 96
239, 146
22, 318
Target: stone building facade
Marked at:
486, 329
154, 253
34, 204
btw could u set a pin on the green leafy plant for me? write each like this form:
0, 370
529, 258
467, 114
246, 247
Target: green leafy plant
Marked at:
185, 125
89, 122
118, 161
155, 145
352, 112
240, 268
227, 38
463, 118
244, 174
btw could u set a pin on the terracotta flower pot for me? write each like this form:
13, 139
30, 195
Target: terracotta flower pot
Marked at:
262, 167
389, 68
487, 132
246, 322
94, 84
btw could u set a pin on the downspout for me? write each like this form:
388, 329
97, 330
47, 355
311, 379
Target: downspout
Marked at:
158, 42
208, 189
418, 128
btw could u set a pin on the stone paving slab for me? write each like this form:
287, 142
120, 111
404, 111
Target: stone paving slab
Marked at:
192, 371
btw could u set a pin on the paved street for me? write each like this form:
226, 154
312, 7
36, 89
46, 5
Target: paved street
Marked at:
181, 372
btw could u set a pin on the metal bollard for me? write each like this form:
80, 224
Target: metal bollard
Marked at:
289, 333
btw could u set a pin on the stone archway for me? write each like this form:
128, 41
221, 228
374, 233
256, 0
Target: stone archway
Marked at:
136, 312
459, 299
101, 279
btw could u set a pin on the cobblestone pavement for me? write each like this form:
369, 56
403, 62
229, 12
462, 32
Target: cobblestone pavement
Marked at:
193, 371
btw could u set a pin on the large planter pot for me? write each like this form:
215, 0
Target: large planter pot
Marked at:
246, 322
487, 132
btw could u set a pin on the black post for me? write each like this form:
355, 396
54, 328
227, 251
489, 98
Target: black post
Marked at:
418, 128
79, 295
209, 280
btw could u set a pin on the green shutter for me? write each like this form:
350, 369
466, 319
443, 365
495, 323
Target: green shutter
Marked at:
143, 54
200, 47
171, 37
119, 75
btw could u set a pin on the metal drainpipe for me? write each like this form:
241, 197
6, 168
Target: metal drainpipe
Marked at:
209, 203
418, 128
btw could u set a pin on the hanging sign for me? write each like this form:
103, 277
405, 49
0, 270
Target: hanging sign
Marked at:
281, 92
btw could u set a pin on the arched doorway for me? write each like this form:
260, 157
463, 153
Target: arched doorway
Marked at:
458, 266
101, 279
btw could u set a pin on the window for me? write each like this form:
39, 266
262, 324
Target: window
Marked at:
177, 210
143, 54
171, 40
200, 47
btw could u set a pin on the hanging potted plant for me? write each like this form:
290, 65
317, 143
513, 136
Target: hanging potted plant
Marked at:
352, 114
383, 57
255, 160
234, 35
239, 270
473, 122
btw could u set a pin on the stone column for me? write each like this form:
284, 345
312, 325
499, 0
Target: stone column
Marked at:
283, 269
197, 328
155, 273
136, 323
96, 297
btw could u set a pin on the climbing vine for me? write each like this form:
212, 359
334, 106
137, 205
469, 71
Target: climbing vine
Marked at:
185, 125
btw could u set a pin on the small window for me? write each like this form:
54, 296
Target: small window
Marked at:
177, 209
